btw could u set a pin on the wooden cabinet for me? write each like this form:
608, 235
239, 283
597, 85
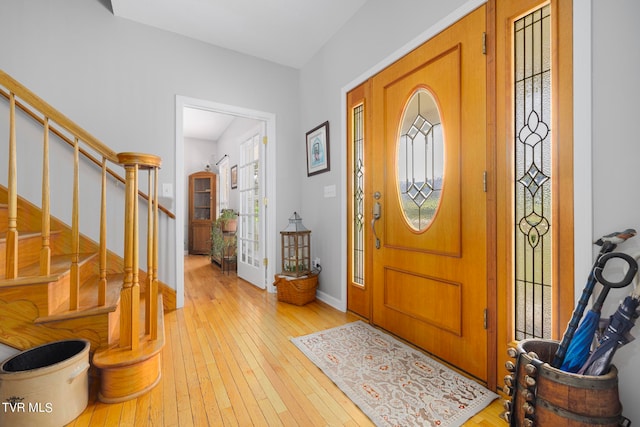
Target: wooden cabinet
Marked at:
202, 211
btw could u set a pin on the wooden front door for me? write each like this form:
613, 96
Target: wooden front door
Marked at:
428, 127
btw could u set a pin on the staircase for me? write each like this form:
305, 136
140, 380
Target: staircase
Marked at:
55, 282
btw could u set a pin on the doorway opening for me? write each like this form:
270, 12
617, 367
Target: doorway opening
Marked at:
266, 164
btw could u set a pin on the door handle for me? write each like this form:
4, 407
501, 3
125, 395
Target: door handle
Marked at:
377, 212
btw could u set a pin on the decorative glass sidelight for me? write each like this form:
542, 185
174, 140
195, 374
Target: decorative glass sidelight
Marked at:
358, 195
420, 160
533, 181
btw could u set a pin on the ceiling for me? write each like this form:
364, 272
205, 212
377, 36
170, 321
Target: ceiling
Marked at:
202, 124
288, 32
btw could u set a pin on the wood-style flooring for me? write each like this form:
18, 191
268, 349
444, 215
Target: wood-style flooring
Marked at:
228, 361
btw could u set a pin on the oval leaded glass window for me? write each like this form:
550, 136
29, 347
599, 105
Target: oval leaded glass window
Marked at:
420, 160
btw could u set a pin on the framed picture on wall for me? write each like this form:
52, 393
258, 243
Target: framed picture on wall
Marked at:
318, 149
234, 176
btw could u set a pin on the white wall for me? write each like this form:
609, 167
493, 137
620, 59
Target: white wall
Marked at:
616, 151
119, 80
197, 154
606, 193
363, 46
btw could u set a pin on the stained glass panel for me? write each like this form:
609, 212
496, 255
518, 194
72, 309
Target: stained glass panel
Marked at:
533, 180
420, 160
358, 195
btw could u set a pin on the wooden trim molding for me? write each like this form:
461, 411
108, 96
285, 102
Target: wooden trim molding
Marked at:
168, 297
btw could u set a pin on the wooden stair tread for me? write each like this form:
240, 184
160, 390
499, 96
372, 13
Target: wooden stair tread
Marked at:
60, 265
41, 312
21, 235
114, 356
27, 234
89, 300
89, 290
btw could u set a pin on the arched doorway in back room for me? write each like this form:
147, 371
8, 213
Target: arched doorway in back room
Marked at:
254, 183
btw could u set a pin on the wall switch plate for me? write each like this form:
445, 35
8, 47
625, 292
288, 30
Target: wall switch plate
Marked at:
167, 190
330, 191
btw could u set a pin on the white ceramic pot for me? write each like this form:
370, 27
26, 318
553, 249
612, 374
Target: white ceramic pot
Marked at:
46, 385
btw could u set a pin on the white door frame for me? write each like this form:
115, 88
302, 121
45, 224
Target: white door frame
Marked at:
269, 185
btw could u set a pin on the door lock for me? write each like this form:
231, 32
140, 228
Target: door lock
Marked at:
377, 212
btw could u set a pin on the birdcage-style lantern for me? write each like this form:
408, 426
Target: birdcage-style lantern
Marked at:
296, 248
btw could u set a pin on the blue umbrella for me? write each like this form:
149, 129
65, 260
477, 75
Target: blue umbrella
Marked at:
580, 346
615, 336
608, 243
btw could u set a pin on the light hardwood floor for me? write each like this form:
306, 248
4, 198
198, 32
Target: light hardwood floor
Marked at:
229, 361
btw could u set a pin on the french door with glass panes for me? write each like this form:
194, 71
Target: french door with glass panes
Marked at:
251, 178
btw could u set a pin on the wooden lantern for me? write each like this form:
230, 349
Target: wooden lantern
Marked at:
296, 248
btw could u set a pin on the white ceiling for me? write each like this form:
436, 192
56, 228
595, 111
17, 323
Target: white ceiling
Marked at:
287, 32
203, 124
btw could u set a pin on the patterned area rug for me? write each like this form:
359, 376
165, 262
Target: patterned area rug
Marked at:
393, 384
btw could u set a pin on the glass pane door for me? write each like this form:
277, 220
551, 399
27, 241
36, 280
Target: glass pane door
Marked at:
250, 245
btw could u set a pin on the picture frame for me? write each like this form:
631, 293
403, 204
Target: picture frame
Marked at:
234, 177
318, 158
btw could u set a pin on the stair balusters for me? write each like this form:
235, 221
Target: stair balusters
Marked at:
12, 230
52, 121
130, 292
74, 282
151, 326
102, 284
45, 251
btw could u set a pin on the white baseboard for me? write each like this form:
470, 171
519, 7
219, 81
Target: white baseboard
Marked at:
333, 302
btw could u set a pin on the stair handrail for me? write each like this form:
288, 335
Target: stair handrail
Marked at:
132, 163
84, 152
48, 111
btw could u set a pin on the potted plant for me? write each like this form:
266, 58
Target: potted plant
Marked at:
228, 220
217, 242
223, 236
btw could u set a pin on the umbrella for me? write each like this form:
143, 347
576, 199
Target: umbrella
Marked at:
615, 336
608, 243
580, 346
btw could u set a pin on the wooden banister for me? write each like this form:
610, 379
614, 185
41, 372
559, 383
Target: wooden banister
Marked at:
84, 152
76, 137
48, 111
